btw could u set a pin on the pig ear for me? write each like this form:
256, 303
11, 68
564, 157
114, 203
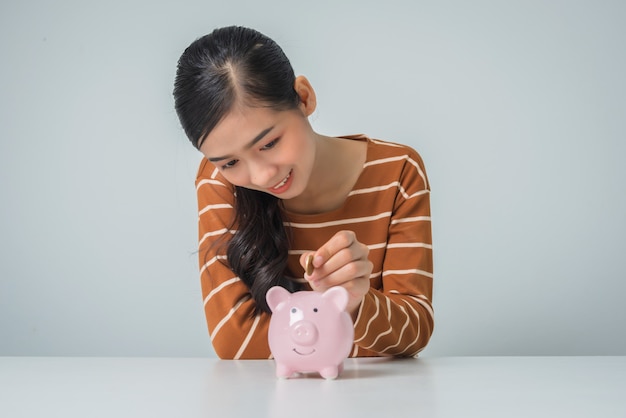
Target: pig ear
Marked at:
338, 296
276, 295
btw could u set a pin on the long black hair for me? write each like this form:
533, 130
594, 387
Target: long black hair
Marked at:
229, 67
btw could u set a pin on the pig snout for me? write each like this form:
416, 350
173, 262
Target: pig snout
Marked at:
304, 333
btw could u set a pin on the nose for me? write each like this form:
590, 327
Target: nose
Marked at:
262, 174
304, 333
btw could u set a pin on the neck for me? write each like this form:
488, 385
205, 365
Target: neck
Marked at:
338, 164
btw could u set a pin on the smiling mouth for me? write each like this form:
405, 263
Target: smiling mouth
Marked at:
282, 183
303, 354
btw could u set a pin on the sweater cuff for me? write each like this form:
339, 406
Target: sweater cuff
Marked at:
366, 311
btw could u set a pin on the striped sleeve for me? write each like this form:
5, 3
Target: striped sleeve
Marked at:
229, 308
396, 316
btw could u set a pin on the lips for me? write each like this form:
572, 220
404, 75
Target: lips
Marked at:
282, 183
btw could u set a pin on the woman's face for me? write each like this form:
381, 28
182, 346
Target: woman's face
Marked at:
263, 149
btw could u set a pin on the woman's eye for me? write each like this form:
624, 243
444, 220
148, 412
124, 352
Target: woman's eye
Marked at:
229, 164
271, 144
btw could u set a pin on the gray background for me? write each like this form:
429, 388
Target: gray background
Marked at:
518, 108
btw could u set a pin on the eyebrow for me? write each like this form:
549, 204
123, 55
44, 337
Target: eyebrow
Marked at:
256, 139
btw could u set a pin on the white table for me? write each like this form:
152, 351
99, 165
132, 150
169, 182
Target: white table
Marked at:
204, 387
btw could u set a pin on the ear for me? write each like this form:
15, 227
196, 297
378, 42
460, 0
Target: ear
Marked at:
338, 296
308, 101
276, 295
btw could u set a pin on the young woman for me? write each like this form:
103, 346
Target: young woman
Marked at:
271, 191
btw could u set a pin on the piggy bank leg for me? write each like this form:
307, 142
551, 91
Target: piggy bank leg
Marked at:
330, 372
283, 371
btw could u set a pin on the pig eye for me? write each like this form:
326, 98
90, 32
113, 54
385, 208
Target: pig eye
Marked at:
314, 309
295, 315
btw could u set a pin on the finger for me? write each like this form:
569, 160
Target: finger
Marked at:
356, 252
337, 261
355, 270
341, 240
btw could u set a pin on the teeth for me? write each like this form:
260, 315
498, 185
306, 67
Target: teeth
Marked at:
282, 183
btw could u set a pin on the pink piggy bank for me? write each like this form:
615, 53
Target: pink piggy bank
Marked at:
309, 331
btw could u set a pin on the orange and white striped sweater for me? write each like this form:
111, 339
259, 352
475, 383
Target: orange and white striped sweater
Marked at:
388, 209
